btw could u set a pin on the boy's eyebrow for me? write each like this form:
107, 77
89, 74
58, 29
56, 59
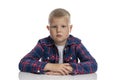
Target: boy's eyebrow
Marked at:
60, 25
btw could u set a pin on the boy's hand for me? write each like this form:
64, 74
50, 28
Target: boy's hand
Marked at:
53, 73
63, 69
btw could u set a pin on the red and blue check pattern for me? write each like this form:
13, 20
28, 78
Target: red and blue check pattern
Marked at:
46, 52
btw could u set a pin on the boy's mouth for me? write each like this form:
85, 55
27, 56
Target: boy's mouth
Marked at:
59, 35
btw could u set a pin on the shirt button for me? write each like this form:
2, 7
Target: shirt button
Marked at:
47, 57
38, 71
70, 57
65, 49
40, 59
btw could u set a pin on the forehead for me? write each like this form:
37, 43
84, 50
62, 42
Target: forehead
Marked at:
59, 20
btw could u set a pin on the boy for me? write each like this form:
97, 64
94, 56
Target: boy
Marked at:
58, 54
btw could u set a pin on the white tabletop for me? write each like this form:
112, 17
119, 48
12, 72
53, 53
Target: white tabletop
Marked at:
30, 76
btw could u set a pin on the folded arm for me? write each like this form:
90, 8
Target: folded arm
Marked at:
87, 63
31, 63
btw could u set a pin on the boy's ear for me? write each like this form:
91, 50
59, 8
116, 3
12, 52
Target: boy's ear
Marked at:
48, 27
71, 28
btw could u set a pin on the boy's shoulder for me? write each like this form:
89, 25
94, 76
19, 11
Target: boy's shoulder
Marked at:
73, 40
46, 41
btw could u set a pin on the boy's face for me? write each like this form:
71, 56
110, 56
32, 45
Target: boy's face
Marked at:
59, 30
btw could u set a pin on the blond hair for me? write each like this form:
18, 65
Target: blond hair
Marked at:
57, 13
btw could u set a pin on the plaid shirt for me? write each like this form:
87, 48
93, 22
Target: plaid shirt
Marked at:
46, 52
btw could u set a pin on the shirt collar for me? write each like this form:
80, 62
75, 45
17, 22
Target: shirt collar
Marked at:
71, 40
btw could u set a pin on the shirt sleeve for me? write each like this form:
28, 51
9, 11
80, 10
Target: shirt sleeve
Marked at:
87, 63
31, 63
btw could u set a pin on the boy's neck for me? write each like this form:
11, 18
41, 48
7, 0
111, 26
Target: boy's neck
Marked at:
61, 44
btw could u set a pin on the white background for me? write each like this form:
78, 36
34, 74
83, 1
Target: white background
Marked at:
95, 22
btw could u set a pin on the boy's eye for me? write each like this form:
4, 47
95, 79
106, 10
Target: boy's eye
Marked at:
63, 26
53, 26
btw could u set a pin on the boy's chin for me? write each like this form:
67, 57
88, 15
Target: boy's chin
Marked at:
60, 42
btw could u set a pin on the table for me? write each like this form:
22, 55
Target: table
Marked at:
31, 76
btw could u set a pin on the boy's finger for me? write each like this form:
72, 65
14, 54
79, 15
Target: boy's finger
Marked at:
56, 73
68, 68
62, 72
66, 64
49, 73
66, 72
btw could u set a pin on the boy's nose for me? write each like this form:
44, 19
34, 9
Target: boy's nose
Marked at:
58, 29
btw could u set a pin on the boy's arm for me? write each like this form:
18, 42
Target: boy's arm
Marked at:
87, 63
31, 63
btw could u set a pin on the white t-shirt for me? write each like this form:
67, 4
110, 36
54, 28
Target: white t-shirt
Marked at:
60, 51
